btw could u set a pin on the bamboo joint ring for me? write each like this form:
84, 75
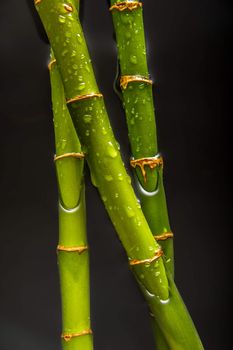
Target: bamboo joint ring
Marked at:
164, 236
83, 97
158, 253
126, 79
79, 249
78, 155
126, 5
69, 336
151, 162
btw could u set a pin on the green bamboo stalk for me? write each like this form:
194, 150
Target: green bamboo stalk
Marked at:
138, 103
139, 109
92, 125
73, 266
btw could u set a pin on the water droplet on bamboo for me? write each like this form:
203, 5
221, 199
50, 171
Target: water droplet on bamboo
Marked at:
129, 211
103, 130
87, 118
104, 198
79, 38
133, 59
81, 86
111, 151
120, 177
61, 19
108, 178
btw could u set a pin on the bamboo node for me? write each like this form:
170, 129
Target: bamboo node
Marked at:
68, 8
126, 79
37, 2
83, 97
79, 249
158, 253
151, 162
164, 236
69, 336
78, 155
51, 63
126, 5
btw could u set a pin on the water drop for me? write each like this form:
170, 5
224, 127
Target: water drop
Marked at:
108, 178
133, 59
63, 145
87, 133
61, 19
120, 177
104, 199
130, 213
104, 132
79, 38
116, 195
111, 151
81, 86
87, 118
87, 68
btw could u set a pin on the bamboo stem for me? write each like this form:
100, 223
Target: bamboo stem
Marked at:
73, 257
136, 89
139, 109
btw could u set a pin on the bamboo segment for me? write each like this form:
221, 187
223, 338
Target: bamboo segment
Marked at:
73, 257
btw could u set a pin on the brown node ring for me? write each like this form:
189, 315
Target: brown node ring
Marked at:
69, 336
78, 155
83, 97
126, 5
164, 236
151, 162
126, 79
158, 253
51, 63
79, 249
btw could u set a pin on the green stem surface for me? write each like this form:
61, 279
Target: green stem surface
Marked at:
73, 267
138, 104
140, 116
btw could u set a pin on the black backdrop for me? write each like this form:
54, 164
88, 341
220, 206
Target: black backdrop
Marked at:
189, 58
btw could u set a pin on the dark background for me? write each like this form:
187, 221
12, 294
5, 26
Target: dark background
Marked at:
189, 58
